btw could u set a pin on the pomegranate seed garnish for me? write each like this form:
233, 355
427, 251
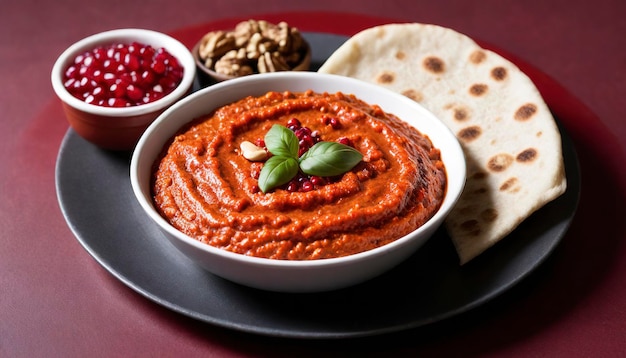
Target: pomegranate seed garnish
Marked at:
316, 136
292, 186
345, 141
307, 186
302, 132
294, 122
317, 181
334, 122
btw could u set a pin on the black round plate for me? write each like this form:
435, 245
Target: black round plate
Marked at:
96, 198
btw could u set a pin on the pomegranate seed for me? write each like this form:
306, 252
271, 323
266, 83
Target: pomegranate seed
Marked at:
306, 141
302, 132
98, 92
117, 102
100, 53
307, 186
79, 59
134, 93
292, 186
294, 122
87, 61
147, 53
147, 78
315, 135
345, 141
172, 61
317, 181
109, 78
118, 91
153, 96
110, 65
71, 72
165, 82
69, 83
131, 62
97, 75
158, 67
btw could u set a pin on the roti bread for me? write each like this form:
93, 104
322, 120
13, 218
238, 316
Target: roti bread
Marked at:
511, 141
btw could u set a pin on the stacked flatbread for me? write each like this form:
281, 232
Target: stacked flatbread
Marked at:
510, 139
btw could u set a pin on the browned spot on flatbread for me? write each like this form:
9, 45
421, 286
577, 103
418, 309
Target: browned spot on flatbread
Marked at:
478, 89
527, 155
498, 73
472, 227
511, 185
413, 94
461, 113
434, 64
489, 214
525, 112
468, 134
386, 77
500, 162
477, 57
400, 55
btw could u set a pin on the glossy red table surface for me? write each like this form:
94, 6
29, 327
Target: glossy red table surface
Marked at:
55, 300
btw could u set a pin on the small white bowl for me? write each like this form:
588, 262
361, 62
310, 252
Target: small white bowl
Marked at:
119, 128
283, 275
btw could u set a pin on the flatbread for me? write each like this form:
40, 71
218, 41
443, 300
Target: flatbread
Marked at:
510, 139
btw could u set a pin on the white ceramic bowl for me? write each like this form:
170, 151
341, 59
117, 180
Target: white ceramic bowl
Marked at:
119, 128
282, 275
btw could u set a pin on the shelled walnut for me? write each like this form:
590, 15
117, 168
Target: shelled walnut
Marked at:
253, 46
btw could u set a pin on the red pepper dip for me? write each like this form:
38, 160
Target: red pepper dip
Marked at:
204, 187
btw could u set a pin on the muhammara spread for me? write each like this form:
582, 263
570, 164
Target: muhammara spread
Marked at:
206, 188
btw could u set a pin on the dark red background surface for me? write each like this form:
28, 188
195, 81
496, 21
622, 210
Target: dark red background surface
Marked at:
55, 300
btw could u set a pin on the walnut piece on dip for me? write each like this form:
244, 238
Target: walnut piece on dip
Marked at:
253, 46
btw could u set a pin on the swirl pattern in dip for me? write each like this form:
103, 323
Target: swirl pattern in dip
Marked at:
205, 188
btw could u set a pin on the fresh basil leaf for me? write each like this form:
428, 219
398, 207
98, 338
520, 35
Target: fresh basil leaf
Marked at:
281, 141
276, 171
329, 159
